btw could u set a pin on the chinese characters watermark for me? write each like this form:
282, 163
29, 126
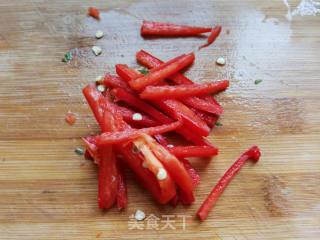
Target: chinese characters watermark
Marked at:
163, 222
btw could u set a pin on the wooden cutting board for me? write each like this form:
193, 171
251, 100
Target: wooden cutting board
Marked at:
49, 192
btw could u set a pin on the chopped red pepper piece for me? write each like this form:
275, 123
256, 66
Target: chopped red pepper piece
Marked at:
170, 29
131, 134
193, 151
122, 196
254, 154
171, 163
209, 118
127, 73
150, 61
108, 178
178, 110
94, 12
182, 91
127, 114
115, 82
215, 32
70, 118
163, 71
135, 102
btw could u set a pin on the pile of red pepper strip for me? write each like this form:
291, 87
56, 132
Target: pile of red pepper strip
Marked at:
176, 104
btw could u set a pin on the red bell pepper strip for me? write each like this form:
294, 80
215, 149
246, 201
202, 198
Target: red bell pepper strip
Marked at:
94, 12
98, 104
192, 172
149, 28
178, 110
131, 134
202, 105
127, 114
187, 198
127, 73
135, 102
163, 71
108, 178
183, 91
122, 196
254, 154
92, 148
208, 118
172, 164
115, 82
150, 61
215, 32
193, 151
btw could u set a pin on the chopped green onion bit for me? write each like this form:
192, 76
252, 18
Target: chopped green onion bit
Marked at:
67, 57
219, 124
256, 82
79, 151
143, 71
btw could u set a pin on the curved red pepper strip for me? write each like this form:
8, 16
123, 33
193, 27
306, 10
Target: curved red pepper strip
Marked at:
122, 196
183, 91
254, 154
170, 29
215, 32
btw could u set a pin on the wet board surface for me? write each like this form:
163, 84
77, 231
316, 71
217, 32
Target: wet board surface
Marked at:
49, 192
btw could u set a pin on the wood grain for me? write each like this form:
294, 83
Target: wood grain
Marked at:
48, 192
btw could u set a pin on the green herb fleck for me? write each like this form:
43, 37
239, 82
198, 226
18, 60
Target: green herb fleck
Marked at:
144, 71
256, 82
67, 57
79, 151
219, 124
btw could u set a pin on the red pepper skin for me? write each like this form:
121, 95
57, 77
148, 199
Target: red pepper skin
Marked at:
111, 81
209, 119
108, 178
172, 165
135, 102
178, 110
170, 29
163, 71
122, 195
183, 91
202, 103
215, 32
193, 151
184, 197
127, 113
254, 154
127, 73
131, 134
94, 12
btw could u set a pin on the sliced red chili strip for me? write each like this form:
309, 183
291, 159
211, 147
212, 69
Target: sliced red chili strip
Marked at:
193, 151
178, 110
122, 196
204, 104
149, 28
130, 134
215, 32
163, 71
127, 73
183, 91
254, 154
171, 163
135, 102
115, 82
208, 118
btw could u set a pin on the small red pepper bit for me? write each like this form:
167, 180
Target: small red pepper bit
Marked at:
70, 118
94, 12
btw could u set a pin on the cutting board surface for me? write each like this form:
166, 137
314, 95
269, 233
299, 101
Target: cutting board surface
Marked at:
49, 192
